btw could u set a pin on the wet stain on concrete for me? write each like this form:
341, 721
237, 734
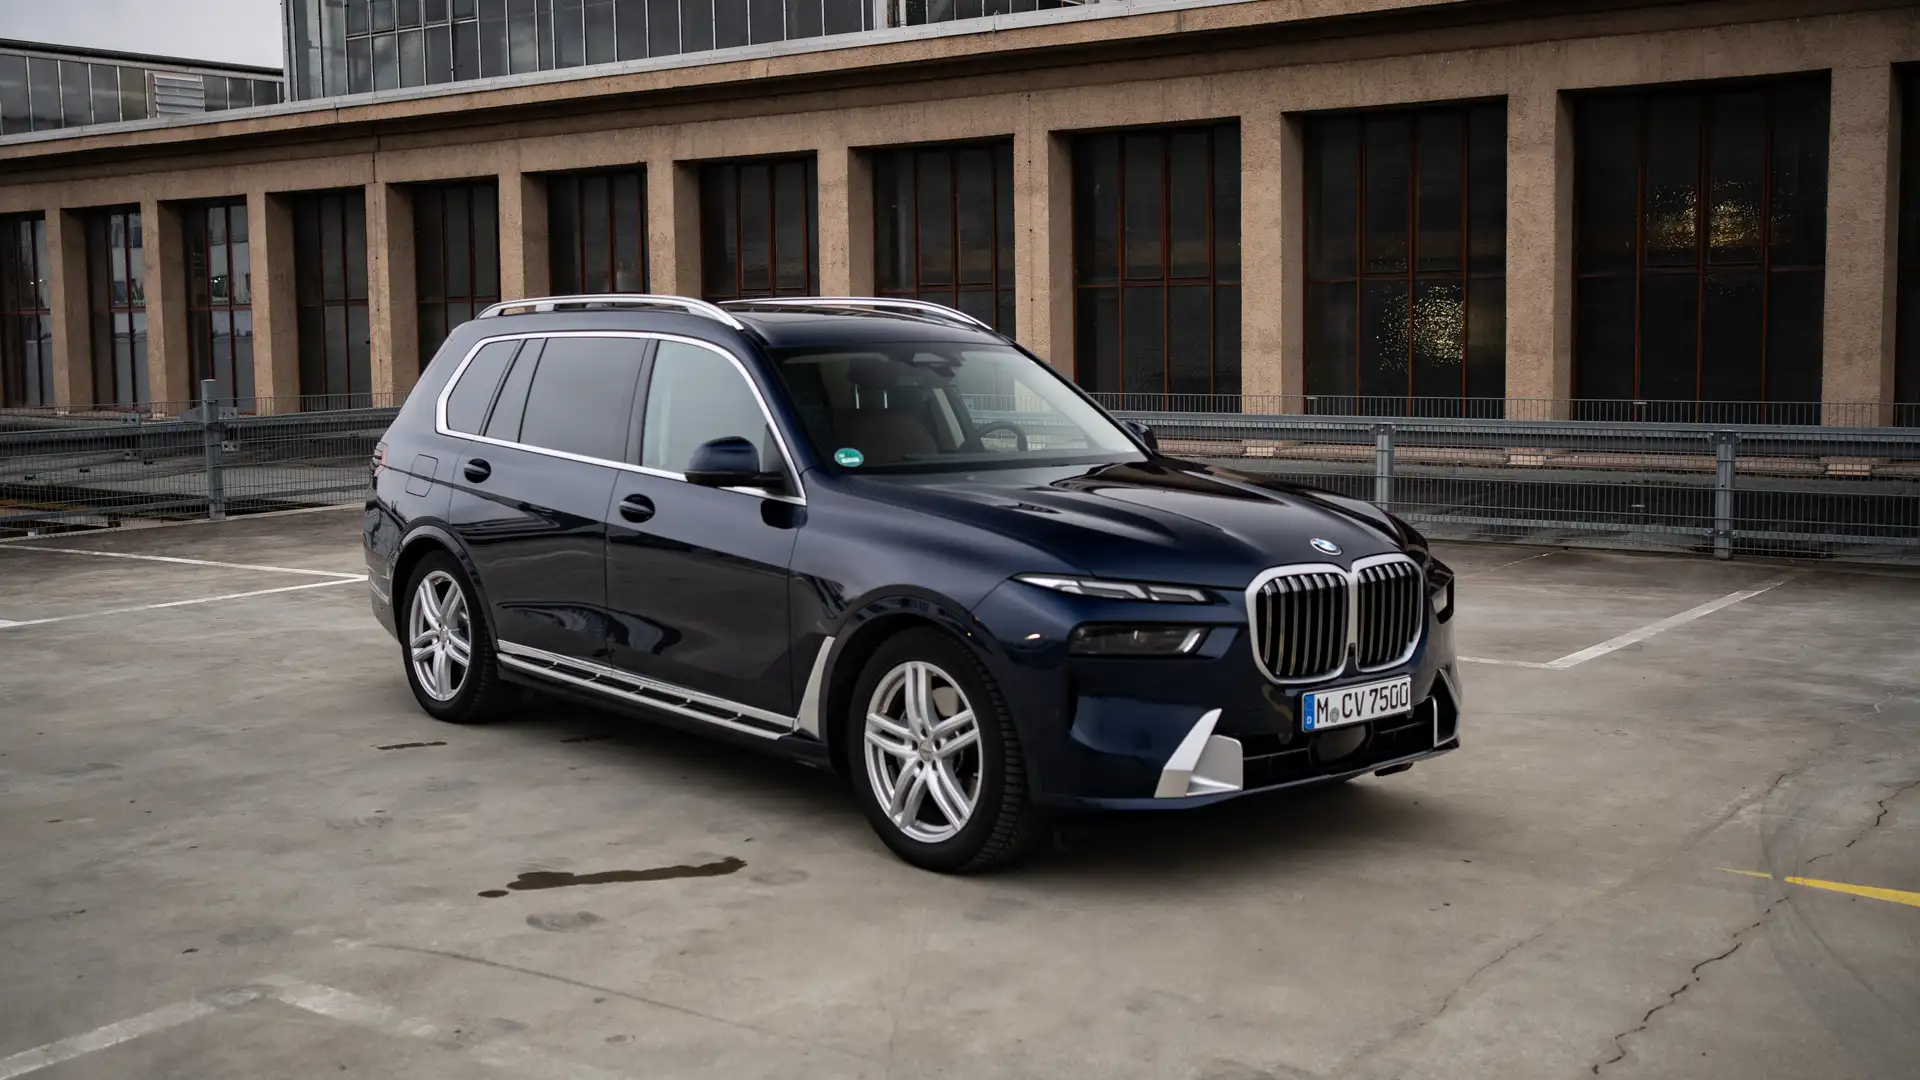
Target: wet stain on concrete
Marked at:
492, 893
790, 875
558, 879
409, 745
587, 738
562, 922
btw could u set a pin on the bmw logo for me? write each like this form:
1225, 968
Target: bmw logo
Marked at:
1325, 547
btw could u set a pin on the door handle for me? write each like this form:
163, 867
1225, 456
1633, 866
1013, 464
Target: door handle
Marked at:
636, 508
478, 470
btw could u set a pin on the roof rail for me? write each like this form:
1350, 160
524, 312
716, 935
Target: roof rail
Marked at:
878, 303
630, 300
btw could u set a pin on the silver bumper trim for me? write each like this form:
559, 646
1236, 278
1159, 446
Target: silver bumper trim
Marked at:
1203, 763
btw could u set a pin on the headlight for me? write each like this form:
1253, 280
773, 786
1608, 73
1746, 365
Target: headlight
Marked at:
1440, 589
1096, 640
1118, 590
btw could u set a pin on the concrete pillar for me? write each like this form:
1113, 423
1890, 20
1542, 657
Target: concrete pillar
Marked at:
72, 339
276, 315
1539, 251
846, 222
1043, 235
1272, 264
393, 306
170, 380
673, 227
525, 265
1863, 186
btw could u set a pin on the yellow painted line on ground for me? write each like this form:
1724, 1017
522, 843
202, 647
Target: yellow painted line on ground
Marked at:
1871, 892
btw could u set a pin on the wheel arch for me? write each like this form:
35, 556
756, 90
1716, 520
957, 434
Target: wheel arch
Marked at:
421, 541
861, 635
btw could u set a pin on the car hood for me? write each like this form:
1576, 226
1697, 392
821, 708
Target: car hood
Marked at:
1159, 520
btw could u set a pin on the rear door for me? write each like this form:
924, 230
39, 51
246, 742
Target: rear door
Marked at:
532, 489
697, 576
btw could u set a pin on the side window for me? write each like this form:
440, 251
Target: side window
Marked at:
504, 424
581, 399
695, 397
467, 405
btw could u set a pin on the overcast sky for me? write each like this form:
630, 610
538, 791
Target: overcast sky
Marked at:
231, 31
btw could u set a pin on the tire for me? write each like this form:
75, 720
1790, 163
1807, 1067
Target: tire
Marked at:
470, 692
974, 771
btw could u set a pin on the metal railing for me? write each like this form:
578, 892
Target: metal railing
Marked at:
100, 467
1802, 490
1527, 473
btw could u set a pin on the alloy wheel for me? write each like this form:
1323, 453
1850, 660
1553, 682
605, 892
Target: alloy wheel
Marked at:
922, 748
439, 636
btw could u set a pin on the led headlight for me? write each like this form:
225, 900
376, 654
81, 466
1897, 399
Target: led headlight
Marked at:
1099, 640
1118, 590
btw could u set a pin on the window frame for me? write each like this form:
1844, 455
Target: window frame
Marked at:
33, 290
1357, 400
1000, 279
474, 300
204, 316
578, 181
797, 495
809, 226
103, 309
1645, 99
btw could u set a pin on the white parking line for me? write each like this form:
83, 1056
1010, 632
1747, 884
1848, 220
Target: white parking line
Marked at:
54, 1053
175, 559
1633, 637
5, 625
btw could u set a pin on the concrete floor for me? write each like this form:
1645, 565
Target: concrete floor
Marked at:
215, 863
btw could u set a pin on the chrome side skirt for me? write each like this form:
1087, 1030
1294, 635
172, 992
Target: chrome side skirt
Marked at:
640, 690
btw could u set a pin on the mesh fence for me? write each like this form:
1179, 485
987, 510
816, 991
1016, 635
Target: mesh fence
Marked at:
96, 468
1708, 485
1671, 476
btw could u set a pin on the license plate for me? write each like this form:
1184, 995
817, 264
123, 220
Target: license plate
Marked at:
1355, 704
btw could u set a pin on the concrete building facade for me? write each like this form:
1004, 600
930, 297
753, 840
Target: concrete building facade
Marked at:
1481, 206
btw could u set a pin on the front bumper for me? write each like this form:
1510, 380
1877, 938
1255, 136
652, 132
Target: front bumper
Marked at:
1184, 732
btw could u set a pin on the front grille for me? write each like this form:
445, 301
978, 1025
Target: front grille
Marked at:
1390, 612
1301, 625
1300, 620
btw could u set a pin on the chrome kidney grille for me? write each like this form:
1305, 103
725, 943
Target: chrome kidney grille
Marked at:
1301, 625
1306, 620
1390, 612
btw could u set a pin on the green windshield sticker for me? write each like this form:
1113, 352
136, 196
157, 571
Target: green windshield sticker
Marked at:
849, 457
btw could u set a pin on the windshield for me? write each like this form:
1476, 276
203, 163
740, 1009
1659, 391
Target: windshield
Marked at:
920, 406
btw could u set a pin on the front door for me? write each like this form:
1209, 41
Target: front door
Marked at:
531, 491
697, 576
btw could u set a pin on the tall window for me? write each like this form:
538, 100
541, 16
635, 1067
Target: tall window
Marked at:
220, 298
45, 92
330, 284
1156, 223
456, 230
117, 303
1906, 371
943, 228
26, 322
917, 12
759, 230
597, 231
1699, 251
1406, 261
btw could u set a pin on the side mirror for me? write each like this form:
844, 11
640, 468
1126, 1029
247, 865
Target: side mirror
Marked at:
1144, 434
729, 462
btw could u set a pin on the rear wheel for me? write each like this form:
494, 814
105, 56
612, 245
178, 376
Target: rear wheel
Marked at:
936, 759
446, 646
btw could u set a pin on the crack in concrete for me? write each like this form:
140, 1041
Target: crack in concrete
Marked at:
1884, 806
1693, 977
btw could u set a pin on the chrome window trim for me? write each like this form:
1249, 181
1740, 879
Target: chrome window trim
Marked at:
786, 455
1352, 576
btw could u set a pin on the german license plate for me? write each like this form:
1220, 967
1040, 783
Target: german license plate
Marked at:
1356, 704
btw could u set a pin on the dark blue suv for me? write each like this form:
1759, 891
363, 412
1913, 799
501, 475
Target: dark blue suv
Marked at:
877, 536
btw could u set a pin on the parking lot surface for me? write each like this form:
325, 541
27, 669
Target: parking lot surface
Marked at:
1682, 839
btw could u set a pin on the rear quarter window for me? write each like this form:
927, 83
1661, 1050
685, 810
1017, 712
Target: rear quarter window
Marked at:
473, 395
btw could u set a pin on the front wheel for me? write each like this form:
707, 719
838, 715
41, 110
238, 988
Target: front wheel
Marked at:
936, 759
445, 644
